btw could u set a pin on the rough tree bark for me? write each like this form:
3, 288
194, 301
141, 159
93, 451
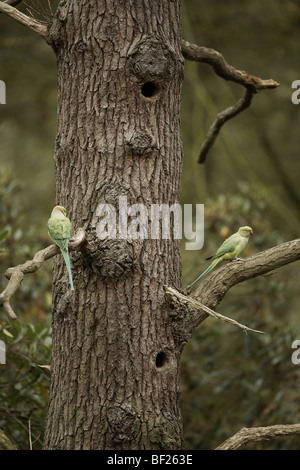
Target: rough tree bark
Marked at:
115, 364
118, 338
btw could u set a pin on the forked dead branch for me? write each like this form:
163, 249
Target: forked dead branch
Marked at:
252, 84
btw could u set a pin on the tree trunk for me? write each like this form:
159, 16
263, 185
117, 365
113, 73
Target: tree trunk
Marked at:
115, 361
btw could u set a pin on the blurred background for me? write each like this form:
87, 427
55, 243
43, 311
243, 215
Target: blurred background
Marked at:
229, 379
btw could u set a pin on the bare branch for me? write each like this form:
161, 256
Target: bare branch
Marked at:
29, 434
194, 305
223, 69
222, 117
6, 443
16, 274
215, 286
31, 23
247, 435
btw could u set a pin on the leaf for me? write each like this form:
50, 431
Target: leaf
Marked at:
48, 368
4, 235
7, 333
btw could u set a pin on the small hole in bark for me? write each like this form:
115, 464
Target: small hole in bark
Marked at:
149, 89
160, 359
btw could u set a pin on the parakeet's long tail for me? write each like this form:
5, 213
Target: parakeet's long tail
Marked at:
65, 254
210, 267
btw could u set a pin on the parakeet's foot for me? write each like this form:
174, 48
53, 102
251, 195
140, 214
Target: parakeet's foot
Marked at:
239, 259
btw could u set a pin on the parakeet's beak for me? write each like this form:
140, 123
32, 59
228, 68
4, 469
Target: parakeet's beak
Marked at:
251, 232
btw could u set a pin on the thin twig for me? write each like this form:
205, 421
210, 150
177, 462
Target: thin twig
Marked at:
19, 421
222, 117
247, 435
31, 23
12, 3
194, 304
37, 11
29, 434
16, 274
222, 68
227, 72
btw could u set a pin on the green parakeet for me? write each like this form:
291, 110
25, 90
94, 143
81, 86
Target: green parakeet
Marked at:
229, 250
59, 227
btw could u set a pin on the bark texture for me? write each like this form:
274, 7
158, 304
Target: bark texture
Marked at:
115, 364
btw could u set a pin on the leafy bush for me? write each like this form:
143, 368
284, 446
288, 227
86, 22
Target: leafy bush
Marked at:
23, 382
229, 379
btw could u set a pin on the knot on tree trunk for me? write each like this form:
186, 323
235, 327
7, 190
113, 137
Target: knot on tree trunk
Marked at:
111, 257
152, 59
165, 432
153, 63
124, 424
142, 144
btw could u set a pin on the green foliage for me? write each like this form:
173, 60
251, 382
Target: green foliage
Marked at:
3, 235
23, 383
28, 120
261, 144
229, 379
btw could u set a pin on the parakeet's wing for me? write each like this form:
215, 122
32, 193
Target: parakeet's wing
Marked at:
228, 246
60, 231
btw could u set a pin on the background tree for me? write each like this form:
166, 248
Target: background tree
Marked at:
226, 209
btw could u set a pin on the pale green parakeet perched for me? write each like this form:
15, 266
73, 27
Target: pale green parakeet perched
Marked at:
229, 250
59, 227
